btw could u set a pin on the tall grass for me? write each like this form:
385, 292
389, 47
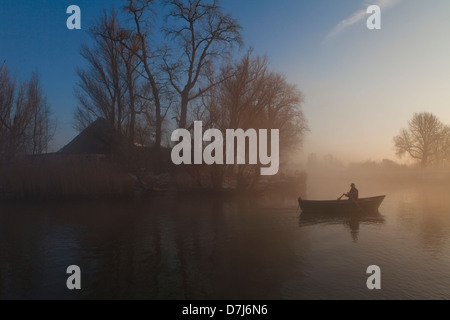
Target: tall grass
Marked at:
70, 177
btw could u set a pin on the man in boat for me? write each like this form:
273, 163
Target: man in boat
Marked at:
353, 193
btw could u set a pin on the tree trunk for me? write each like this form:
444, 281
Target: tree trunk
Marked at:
184, 106
158, 129
424, 162
132, 124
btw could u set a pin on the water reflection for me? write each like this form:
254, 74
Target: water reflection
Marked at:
163, 248
213, 248
426, 211
351, 220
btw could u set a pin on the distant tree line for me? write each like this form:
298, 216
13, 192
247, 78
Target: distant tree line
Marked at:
426, 141
26, 122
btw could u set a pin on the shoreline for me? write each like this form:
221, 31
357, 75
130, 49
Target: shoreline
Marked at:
145, 195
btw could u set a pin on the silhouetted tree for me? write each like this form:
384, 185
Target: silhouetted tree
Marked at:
112, 86
26, 123
147, 52
254, 98
42, 127
201, 33
443, 148
425, 140
106, 87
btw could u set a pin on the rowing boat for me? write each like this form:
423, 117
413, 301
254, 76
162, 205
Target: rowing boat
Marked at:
333, 206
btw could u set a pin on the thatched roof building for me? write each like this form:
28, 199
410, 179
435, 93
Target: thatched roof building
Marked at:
98, 138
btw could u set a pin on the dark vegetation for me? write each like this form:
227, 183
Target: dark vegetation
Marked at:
152, 66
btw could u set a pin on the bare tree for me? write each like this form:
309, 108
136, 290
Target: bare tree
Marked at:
26, 123
255, 98
168, 73
423, 141
134, 87
111, 87
7, 105
101, 88
443, 148
141, 13
42, 126
202, 33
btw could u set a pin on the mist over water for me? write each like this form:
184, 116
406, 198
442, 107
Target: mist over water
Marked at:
241, 248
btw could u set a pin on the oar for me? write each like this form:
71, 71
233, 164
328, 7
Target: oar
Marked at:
299, 199
356, 203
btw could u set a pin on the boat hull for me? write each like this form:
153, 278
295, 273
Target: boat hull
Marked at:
335, 206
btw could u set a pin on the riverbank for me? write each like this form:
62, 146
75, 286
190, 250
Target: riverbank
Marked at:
102, 179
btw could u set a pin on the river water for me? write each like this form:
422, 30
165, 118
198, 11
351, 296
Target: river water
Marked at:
175, 247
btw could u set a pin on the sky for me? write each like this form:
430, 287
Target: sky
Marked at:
361, 86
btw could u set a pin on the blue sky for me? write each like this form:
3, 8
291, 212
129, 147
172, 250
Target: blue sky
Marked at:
360, 86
